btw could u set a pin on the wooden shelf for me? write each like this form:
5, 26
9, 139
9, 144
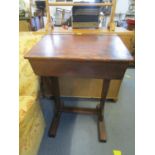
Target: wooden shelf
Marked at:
78, 4
111, 25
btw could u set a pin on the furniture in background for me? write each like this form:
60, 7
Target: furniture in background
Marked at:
131, 24
87, 56
32, 21
24, 17
61, 16
85, 16
130, 15
90, 16
40, 14
31, 121
111, 24
24, 24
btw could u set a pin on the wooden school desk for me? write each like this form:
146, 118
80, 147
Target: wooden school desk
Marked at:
94, 56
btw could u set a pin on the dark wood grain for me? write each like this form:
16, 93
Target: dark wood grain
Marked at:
99, 70
104, 93
100, 111
80, 48
102, 131
54, 125
79, 110
58, 105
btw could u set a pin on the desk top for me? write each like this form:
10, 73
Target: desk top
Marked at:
80, 47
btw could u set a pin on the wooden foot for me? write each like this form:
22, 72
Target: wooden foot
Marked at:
54, 125
101, 125
102, 131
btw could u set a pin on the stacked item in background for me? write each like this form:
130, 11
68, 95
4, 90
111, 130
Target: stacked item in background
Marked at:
130, 15
38, 20
61, 16
85, 16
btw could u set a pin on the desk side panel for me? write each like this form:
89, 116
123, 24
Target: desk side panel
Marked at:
99, 70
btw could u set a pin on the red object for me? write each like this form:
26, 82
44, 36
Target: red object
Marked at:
131, 24
130, 21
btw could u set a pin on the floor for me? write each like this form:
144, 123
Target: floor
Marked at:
77, 134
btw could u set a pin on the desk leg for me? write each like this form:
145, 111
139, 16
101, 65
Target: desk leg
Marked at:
100, 109
42, 86
58, 105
